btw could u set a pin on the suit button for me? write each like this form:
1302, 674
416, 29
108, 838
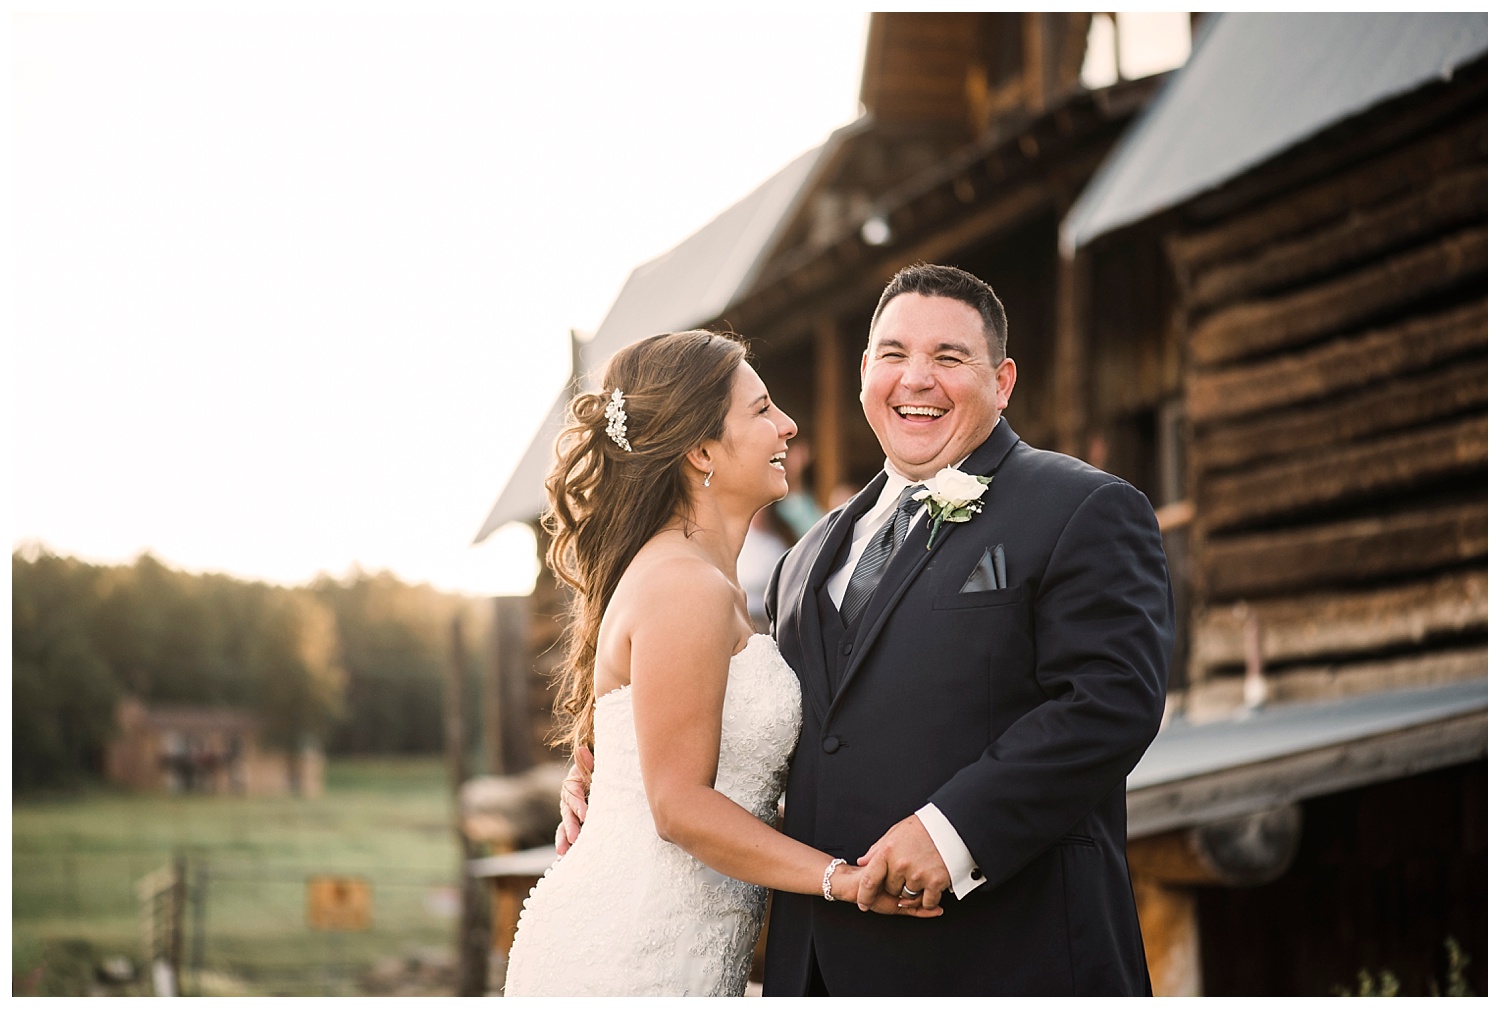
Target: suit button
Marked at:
831, 744
848, 649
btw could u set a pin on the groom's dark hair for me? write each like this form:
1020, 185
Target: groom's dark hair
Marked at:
951, 282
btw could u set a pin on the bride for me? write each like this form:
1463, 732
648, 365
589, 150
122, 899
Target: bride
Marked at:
690, 715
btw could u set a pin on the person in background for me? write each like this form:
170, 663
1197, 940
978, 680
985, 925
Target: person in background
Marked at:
799, 510
768, 538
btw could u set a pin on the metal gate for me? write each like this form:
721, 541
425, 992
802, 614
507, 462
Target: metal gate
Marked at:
224, 927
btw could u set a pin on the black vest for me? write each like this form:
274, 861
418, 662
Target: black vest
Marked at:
838, 640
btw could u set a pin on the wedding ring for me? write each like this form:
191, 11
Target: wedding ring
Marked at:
909, 893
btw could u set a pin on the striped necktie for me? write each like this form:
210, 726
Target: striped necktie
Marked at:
872, 563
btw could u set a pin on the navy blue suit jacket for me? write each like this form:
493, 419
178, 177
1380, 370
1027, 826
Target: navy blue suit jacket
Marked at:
1018, 711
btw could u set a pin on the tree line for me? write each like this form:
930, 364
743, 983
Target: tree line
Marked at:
356, 663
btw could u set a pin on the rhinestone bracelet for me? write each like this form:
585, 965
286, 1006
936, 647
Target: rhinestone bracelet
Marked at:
828, 877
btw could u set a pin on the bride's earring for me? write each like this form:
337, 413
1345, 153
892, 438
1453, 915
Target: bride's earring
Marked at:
707, 478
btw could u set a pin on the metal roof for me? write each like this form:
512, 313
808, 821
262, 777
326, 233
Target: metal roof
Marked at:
696, 281
1198, 773
1255, 85
688, 286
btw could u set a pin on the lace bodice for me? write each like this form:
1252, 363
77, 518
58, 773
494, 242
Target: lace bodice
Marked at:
626, 913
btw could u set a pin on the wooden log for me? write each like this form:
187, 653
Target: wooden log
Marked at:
1258, 327
1450, 202
1407, 672
1343, 475
1267, 563
1251, 850
1351, 142
1332, 368
1402, 403
1344, 623
1367, 183
1222, 696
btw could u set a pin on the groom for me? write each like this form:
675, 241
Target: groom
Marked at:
985, 685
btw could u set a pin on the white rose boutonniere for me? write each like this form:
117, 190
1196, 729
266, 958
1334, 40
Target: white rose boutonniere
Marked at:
951, 496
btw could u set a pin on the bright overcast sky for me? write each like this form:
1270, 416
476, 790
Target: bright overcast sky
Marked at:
292, 291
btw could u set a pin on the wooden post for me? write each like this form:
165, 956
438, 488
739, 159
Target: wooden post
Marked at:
1034, 46
832, 387
1067, 366
453, 712
474, 913
1169, 931
510, 706
492, 704
1166, 870
162, 896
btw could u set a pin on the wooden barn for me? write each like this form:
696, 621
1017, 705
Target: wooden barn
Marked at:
1307, 204
1255, 288
214, 751
976, 138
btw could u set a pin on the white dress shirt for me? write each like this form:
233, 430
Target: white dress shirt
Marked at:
962, 869
865, 528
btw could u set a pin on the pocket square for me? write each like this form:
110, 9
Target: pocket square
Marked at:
989, 573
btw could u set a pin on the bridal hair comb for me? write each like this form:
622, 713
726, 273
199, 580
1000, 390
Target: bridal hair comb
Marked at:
615, 411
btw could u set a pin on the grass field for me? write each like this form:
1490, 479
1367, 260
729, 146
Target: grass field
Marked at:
75, 861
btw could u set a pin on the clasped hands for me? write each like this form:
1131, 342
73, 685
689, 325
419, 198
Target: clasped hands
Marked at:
902, 873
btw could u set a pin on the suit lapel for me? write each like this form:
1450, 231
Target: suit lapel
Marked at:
913, 555
809, 623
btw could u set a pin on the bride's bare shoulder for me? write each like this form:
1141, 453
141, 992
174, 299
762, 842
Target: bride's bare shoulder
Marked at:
667, 594
667, 576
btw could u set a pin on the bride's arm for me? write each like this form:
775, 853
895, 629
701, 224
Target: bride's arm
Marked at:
680, 643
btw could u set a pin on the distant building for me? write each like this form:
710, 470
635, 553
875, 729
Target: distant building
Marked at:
218, 751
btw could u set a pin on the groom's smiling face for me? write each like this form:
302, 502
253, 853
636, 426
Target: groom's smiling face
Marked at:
928, 385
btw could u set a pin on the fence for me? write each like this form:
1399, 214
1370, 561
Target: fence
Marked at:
226, 925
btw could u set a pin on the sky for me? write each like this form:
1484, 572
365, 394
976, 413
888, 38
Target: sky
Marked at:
291, 283
291, 291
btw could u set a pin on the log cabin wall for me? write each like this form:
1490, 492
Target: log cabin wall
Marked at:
1335, 324
1125, 413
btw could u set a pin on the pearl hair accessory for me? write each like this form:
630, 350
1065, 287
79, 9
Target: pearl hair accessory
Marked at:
614, 410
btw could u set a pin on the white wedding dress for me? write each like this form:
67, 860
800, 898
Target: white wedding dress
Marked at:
626, 913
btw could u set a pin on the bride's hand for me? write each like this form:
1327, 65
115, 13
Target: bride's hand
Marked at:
574, 801
845, 887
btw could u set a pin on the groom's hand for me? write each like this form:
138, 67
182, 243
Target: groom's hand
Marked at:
574, 800
904, 857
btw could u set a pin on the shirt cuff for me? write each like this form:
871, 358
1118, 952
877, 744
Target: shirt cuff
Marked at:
962, 870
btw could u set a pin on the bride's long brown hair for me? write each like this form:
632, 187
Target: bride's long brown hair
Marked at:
604, 503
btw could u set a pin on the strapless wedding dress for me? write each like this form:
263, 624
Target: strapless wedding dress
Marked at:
626, 913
